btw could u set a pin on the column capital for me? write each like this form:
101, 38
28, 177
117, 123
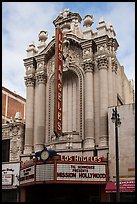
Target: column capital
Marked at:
102, 62
88, 66
29, 80
41, 77
114, 65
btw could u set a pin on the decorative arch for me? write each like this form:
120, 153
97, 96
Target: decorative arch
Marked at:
80, 74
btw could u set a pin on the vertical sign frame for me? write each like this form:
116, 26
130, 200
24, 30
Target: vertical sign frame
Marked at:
58, 82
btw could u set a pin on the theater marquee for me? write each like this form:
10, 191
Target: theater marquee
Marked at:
56, 170
58, 83
81, 172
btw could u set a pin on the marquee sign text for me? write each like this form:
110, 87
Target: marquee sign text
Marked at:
27, 175
77, 158
81, 172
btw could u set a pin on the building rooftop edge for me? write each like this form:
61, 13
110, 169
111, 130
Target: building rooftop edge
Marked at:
11, 92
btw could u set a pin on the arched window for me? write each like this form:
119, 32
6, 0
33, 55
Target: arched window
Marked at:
72, 116
70, 102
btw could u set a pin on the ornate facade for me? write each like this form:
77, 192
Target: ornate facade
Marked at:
15, 132
90, 85
93, 82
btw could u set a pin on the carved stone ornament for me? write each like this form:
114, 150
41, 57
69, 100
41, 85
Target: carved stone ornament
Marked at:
114, 65
30, 69
102, 62
66, 54
29, 80
43, 35
50, 67
41, 77
66, 15
87, 53
88, 20
14, 147
40, 66
88, 66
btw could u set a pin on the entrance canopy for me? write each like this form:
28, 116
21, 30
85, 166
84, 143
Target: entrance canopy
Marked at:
125, 186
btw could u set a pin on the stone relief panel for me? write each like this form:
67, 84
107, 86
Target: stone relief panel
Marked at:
87, 53
103, 48
16, 133
16, 144
78, 56
75, 55
50, 67
30, 69
71, 54
41, 66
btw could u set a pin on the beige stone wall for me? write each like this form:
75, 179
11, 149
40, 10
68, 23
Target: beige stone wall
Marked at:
126, 136
124, 86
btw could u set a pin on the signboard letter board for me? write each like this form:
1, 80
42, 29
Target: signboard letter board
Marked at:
58, 83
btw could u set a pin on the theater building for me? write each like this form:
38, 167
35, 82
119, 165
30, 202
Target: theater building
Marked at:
71, 83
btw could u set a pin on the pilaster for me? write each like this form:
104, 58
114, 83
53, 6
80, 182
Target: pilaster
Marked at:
102, 62
88, 67
29, 82
40, 103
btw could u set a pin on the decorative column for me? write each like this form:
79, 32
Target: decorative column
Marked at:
40, 105
89, 111
103, 95
29, 125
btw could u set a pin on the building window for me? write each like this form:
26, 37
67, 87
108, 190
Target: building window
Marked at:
5, 150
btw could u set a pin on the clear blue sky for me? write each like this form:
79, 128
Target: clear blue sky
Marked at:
22, 22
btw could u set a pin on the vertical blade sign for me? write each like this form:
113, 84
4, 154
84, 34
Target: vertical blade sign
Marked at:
58, 83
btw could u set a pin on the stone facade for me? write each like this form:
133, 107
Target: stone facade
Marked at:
126, 143
93, 80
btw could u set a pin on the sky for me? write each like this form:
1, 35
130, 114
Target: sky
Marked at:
22, 22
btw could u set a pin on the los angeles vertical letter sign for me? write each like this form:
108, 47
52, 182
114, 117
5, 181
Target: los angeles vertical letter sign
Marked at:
58, 83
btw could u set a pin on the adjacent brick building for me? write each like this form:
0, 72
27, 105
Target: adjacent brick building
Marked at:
13, 126
12, 103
